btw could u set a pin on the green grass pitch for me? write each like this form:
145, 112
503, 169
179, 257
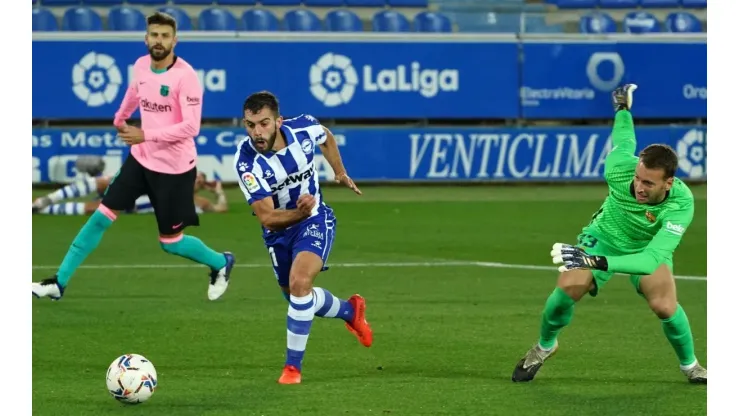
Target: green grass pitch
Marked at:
448, 330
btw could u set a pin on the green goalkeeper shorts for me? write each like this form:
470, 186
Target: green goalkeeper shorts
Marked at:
592, 243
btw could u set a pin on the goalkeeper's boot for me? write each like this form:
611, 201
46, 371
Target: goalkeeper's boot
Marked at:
49, 287
528, 366
220, 278
696, 374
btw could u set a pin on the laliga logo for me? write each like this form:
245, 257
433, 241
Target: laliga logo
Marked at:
690, 152
96, 79
333, 79
592, 72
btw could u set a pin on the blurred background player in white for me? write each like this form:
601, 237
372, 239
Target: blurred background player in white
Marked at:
277, 174
91, 166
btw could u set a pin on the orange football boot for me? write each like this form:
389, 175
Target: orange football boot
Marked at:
291, 375
359, 326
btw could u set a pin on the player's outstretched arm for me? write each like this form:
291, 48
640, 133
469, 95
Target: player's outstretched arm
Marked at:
330, 150
661, 247
624, 142
191, 108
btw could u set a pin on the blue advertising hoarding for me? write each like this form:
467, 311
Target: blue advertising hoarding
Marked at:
403, 154
386, 77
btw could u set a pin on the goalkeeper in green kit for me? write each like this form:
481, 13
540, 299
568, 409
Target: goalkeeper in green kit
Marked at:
635, 232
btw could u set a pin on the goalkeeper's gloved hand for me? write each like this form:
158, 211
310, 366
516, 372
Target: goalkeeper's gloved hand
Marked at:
572, 257
622, 97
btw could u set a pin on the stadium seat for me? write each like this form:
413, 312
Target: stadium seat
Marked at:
696, 4
280, 2
101, 2
147, 2
618, 4
576, 4
301, 20
323, 3
236, 2
44, 21
343, 21
390, 21
126, 18
641, 22
682, 22
194, 2
408, 3
432, 22
597, 22
259, 20
78, 19
365, 3
657, 4
214, 18
182, 18
52, 3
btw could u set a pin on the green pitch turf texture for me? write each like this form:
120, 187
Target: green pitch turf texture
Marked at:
447, 336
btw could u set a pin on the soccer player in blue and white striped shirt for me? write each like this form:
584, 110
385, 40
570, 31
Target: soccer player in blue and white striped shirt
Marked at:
278, 176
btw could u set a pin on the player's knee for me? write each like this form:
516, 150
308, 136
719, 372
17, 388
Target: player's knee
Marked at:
576, 283
169, 243
663, 307
300, 283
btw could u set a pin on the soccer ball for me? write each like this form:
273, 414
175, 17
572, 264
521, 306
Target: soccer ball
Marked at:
131, 378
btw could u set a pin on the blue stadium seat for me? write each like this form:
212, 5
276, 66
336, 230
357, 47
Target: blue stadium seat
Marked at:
324, 3
214, 18
126, 18
301, 20
696, 4
44, 21
259, 20
182, 18
408, 3
657, 4
343, 21
432, 22
641, 22
52, 3
79, 19
576, 4
390, 21
147, 2
682, 22
101, 2
618, 4
280, 2
365, 3
194, 2
597, 22
236, 2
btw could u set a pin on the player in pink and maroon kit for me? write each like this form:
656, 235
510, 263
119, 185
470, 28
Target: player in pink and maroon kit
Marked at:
161, 164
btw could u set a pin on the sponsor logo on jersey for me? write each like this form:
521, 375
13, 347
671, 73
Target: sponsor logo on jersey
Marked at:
250, 182
675, 228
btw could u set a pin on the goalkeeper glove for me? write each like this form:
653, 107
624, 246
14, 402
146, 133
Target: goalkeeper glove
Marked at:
572, 257
622, 97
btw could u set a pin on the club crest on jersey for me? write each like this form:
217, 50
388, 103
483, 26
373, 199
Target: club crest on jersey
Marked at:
650, 216
307, 146
250, 182
164, 90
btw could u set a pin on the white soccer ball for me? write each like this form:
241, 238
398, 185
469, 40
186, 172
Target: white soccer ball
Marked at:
131, 378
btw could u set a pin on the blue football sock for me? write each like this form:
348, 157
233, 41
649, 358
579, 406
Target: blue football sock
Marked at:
327, 305
84, 243
192, 248
300, 317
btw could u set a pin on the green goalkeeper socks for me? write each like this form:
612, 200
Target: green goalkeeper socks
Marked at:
678, 332
557, 314
86, 241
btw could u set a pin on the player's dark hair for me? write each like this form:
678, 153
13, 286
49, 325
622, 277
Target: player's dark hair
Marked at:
660, 156
259, 100
160, 18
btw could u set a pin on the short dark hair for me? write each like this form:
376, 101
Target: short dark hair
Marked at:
259, 100
660, 156
160, 18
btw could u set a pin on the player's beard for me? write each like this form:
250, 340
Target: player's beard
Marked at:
159, 54
268, 143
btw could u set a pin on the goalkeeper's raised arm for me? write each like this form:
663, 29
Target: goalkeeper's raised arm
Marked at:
624, 143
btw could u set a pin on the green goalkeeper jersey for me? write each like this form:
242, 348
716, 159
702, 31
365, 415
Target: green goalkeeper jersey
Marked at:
646, 233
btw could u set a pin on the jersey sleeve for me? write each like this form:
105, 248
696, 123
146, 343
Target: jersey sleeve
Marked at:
251, 179
624, 144
312, 126
661, 247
